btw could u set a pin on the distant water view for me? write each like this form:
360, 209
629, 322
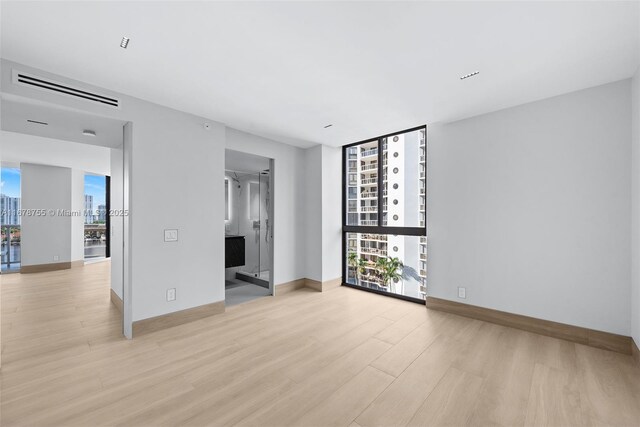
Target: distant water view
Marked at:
94, 248
11, 254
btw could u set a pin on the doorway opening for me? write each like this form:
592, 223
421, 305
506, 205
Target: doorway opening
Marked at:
248, 227
60, 170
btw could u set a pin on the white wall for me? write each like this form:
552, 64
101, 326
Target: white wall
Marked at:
529, 209
77, 222
635, 210
19, 147
313, 212
116, 221
323, 212
289, 201
177, 171
331, 213
47, 236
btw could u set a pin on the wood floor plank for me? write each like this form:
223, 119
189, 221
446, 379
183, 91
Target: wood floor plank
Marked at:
346, 403
291, 406
399, 402
504, 396
554, 398
401, 355
113, 412
334, 349
402, 327
451, 403
219, 406
480, 351
605, 396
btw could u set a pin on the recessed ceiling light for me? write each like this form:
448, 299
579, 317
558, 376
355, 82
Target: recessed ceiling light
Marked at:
466, 76
37, 122
328, 126
88, 132
124, 43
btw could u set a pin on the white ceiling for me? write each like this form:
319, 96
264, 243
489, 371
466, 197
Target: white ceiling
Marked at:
285, 70
20, 148
61, 124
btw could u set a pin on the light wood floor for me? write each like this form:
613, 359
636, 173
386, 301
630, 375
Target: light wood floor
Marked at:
342, 357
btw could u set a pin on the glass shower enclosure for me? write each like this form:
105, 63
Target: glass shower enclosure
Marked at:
248, 198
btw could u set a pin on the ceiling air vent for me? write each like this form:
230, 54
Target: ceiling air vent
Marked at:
63, 89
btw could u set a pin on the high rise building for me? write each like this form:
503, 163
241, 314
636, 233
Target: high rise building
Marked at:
423, 213
9, 210
403, 203
88, 209
102, 213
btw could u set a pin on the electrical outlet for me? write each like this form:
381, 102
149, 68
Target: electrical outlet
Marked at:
171, 235
171, 294
56, 258
462, 293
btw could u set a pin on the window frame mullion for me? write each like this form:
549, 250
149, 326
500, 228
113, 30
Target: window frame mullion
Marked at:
380, 183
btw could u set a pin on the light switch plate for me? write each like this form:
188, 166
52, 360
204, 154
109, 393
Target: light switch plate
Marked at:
171, 235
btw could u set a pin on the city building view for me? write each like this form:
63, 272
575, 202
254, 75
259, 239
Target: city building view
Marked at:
88, 209
393, 263
95, 216
10, 217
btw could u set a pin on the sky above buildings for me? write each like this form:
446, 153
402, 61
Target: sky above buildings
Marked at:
10, 182
94, 185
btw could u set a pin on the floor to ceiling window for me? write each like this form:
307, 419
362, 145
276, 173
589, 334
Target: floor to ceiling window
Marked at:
10, 217
384, 214
96, 218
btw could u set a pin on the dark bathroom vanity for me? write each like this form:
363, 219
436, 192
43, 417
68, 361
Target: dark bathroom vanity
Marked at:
234, 251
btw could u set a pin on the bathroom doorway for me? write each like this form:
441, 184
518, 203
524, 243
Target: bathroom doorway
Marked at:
248, 227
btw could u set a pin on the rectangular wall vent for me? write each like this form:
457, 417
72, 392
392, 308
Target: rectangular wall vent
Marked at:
63, 89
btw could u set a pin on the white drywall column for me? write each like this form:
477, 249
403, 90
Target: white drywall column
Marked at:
323, 207
331, 213
46, 238
77, 221
116, 221
635, 209
314, 214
